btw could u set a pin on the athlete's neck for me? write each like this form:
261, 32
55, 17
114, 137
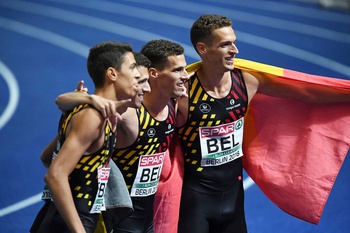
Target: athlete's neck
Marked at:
156, 106
215, 83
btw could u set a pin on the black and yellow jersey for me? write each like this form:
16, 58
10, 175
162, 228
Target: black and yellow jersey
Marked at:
83, 179
212, 135
141, 163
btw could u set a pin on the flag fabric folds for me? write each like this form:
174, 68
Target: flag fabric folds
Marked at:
168, 195
293, 150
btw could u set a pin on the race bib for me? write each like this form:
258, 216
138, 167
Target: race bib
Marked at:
46, 194
148, 174
99, 203
221, 144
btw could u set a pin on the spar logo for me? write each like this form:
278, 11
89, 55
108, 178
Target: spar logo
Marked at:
217, 131
221, 130
152, 160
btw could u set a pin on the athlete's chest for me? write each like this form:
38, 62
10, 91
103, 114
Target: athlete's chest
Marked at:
204, 106
227, 109
151, 130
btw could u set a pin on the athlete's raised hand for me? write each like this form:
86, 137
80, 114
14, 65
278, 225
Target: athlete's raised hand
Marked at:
109, 108
81, 87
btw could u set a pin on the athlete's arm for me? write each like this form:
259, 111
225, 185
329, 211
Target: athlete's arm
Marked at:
292, 89
128, 128
107, 108
46, 154
84, 130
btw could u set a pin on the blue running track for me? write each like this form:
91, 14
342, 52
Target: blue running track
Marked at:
43, 50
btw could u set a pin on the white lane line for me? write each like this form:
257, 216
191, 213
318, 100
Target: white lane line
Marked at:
48, 37
247, 183
56, 40
111, 27
284, 25
290, 9
12, 104
140, 13
90, 21
21, 205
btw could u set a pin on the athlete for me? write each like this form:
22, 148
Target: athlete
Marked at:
78, 172
141, 148
211, 124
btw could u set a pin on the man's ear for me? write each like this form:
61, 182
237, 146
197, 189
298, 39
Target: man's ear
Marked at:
111, 73
153, 73
201, 47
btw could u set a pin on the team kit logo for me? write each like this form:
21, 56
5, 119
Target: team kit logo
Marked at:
204, 108
151, 132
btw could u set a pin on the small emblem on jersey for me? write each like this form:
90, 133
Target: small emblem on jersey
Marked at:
204, 108
170, 129
233, 105
239, 124
151, 132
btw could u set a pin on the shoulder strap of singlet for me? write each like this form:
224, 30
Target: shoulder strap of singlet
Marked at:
109, 134
238, 80
64, 120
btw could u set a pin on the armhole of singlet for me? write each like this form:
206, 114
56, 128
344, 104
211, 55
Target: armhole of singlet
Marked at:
189, 82
138, 113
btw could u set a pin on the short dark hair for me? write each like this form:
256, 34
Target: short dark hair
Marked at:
202, 29
142, 60
104, 55
158, 51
